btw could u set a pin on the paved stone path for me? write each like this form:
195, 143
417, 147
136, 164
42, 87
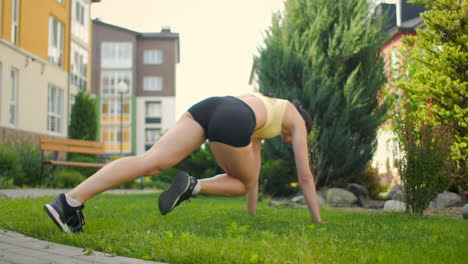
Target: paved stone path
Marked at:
16, 248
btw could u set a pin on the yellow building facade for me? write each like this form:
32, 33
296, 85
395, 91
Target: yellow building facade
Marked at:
41, 47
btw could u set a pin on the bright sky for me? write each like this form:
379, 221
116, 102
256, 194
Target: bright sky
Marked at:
218, 39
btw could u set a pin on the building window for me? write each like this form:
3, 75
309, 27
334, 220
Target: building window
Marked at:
14, 75
61, 2
55, 42
116, 55
152, 83
114, 138
153, 57
79, 67
151, 136
15, 22
153, 112
394, 63
79, 13
54, 109
114, 107
110, 82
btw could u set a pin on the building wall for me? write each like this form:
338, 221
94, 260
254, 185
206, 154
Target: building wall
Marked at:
34, 79
34, 27
133, 117
387, 149
30, 57
102, 33
167, 120
105, 33
165, 70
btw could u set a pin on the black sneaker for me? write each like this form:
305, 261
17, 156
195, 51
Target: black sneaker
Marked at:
67, 218
179, 191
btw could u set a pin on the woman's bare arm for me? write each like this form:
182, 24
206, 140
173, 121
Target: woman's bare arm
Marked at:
296, 126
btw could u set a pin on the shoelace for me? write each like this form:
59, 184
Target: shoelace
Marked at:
81, 217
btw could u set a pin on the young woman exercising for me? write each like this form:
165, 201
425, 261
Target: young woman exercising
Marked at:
235, 127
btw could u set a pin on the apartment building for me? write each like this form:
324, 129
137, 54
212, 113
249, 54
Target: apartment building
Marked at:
44, 57
133, 77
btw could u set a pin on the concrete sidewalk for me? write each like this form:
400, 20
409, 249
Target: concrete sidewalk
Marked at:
16, 248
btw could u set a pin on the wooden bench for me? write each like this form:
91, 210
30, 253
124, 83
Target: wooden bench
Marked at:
70, 145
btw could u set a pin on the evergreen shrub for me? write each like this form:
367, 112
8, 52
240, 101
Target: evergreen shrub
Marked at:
425, 167
11, 172
31, 160
68, 178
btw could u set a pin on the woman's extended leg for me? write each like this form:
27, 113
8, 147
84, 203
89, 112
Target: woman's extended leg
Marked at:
174, 145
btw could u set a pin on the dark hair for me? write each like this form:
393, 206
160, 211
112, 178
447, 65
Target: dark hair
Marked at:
304, 113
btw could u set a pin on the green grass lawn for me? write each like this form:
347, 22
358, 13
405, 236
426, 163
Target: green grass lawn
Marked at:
217, 230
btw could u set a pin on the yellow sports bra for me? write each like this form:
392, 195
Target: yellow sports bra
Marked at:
275, 109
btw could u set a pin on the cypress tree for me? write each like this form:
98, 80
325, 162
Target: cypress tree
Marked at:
83, 123
326, 53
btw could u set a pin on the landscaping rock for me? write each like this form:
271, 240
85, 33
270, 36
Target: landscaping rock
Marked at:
358, 190
399, 196
397, 193
299, 198
340, 197
465, 211
445, 200
394, 206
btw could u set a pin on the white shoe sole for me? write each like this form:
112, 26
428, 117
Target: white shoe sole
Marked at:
56, 218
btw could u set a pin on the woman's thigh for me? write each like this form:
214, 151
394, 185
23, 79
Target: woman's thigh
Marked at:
236, 162
178, 142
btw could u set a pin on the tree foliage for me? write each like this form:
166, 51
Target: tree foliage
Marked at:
435, 79
83, 123
326, 53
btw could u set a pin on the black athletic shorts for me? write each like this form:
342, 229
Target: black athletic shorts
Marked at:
227, 119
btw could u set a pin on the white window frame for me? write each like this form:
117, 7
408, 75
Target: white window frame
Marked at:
147, 103
117, 55
114, 134
113, 79
13, 101
15, 12
56, 33
150, 141
153, 56
153, 83
79, 67
79, 13
115, 107
55, 103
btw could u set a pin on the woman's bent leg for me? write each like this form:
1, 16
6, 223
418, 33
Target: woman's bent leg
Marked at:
171, 148
241, 173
